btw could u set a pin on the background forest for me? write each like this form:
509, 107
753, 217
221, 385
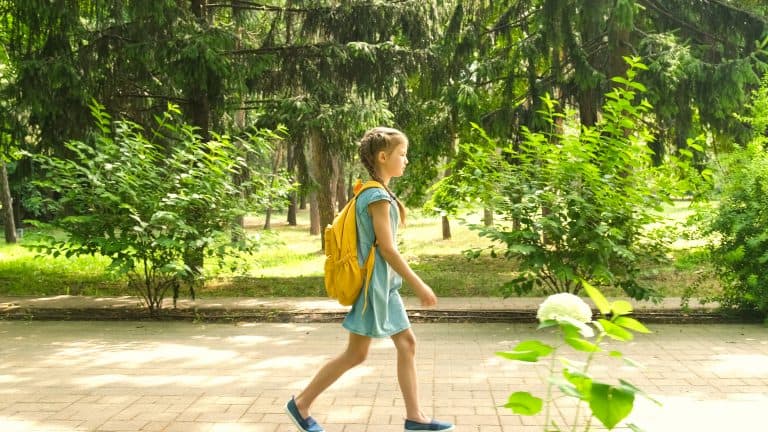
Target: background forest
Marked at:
148, 131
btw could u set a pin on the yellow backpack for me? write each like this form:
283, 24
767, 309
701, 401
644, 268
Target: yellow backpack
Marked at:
343, 274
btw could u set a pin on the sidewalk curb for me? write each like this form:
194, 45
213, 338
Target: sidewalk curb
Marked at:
286, 313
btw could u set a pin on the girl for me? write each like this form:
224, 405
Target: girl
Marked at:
383, 152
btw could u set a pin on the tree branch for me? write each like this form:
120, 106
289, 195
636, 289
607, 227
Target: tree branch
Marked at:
250, 5
658, 7
749, 14
255, 6
281, 48
150, 96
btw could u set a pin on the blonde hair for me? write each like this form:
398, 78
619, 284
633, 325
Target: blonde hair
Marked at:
374, 141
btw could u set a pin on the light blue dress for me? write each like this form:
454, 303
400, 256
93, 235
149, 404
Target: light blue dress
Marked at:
385, 314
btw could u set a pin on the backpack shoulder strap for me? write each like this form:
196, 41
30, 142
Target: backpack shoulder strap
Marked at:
360, 187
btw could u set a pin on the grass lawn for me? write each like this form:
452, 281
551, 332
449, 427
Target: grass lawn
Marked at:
294, 266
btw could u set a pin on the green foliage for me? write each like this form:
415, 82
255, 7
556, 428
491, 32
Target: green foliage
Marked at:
293, 268
11, 121
147, 199
740, 223
577, 203
608, 403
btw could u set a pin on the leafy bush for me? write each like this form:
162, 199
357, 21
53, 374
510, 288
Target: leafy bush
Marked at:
740, 223
150, 200
576, 202
737, 222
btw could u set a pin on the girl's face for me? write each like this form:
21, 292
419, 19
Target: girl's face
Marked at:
393, 164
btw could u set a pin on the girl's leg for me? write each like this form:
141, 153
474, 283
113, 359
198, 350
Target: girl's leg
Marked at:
405, 342
356, 352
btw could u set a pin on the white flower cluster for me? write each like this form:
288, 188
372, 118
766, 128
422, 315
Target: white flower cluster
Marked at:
566, 307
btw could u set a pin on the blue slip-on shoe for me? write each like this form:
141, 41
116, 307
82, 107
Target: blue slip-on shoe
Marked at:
304, 424
434, 425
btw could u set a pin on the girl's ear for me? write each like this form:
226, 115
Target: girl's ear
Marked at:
381, 156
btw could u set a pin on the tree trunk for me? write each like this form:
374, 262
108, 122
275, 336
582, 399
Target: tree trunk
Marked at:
350, 186
240, 116
314, 215
487, 217
291, 218
446, 223
7, 201
293, 198
446, 227
618, 39
276, 162
323, 167
592, 17
268, 219
341, 188
198, 8
302, 173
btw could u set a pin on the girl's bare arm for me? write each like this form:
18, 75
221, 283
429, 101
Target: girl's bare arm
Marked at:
379, 211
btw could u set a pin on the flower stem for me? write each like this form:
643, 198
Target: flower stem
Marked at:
549, 388
591, 357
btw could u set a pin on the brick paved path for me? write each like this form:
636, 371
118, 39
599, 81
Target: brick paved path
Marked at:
177, 376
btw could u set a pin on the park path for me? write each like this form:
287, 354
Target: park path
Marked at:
181, 376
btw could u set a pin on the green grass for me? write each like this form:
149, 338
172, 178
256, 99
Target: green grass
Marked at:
24, 272
294, 265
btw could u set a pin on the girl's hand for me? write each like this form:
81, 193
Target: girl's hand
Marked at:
425, 294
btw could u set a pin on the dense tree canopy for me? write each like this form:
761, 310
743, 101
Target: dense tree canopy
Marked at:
328, 70
337, 67
704, 58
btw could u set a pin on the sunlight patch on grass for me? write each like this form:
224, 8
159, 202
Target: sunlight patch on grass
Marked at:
292, 264
23, 271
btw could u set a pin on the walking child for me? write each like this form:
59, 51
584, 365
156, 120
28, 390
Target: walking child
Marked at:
383, 152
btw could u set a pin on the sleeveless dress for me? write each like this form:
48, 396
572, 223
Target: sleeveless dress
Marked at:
385, 313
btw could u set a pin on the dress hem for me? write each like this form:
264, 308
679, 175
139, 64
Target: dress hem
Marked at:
380, 336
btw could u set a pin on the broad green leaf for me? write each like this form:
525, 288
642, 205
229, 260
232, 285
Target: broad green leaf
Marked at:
582, 383
621, 307
566, 387
620, 80
610, 404
637, 85
527, 351
629, 386
631, 324
569, 330
524, 403
632, 388
615, 332
597, 297
546, 324
580, 344
574, 328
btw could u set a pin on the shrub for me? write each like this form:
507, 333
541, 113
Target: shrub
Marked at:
740, 225
576, 201
150, 199
738, 222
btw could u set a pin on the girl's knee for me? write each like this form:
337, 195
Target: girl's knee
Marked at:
357, 350
355, 357
405, 342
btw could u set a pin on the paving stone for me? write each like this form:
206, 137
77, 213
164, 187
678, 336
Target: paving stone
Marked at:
179, 376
